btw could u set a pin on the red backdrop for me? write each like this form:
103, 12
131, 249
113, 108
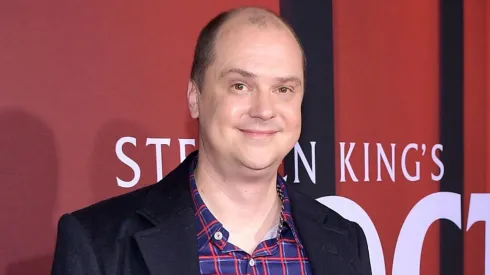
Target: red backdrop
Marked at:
391, 50
76, 77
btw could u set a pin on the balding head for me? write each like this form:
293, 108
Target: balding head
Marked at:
227, 22
259, 17
246, 91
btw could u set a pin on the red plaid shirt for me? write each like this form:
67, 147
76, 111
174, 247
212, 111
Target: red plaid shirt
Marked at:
281, 255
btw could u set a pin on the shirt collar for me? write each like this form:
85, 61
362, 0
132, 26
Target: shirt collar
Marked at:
207, 225
286, 214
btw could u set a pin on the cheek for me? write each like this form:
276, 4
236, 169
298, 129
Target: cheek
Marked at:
291, 114
232, 108
236, 111
208, 110
224, 110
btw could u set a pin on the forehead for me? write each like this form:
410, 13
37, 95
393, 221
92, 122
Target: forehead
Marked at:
262, 49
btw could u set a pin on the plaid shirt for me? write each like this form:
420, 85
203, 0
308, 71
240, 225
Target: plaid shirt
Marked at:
283, 254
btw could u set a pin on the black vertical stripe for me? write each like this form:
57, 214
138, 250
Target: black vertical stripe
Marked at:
312, 22
451, 126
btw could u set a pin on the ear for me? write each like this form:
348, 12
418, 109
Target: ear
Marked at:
193, 99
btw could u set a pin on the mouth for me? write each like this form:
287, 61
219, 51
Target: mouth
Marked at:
258, 133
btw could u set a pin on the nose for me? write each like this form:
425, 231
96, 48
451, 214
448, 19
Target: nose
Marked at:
262, 106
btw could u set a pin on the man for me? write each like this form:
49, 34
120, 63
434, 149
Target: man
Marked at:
224, 210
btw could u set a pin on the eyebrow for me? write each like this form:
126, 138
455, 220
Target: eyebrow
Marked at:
248, 74
238, 71
294, 79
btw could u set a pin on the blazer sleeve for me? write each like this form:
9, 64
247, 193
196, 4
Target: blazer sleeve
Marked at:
73, 254
362, 247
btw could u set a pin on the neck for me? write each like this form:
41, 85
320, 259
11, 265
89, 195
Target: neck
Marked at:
247, 207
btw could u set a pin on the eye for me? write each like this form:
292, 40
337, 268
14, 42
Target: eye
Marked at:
284, 90
239, 86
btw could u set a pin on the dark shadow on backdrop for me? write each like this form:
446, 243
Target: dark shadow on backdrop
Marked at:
313, 23
29, 182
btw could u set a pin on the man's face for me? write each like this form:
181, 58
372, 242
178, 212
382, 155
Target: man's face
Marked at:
249, 108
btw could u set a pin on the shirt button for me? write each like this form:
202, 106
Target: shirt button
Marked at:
251, 262
218, 236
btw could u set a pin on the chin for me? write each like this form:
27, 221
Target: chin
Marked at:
259, 161
258, 166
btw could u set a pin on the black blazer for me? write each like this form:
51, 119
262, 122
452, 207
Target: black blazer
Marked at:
151, 231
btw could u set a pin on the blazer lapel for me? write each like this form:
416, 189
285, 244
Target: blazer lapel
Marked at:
323, 241
170, 246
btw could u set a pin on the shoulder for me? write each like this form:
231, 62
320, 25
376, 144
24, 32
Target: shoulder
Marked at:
121, 215
102, 220
104, 229
110, 225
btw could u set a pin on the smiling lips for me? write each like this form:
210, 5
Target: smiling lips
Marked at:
258, 133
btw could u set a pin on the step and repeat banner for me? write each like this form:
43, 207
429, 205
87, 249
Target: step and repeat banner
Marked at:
395, 118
